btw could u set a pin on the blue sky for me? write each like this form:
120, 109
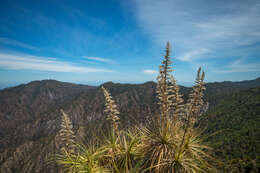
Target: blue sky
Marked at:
94, 41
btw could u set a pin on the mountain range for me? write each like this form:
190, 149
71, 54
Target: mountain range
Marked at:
30, 118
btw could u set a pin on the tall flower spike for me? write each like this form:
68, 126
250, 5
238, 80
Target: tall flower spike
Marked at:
66, 133
111, 109
195, 101
177, 101
164, 89
194, 105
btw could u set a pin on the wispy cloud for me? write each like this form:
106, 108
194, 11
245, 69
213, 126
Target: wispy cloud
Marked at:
98, 59
193, 54
193, 27
8, 41
150, 71
238, 66
28, 62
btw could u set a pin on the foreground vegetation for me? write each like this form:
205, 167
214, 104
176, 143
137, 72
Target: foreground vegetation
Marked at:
171, 142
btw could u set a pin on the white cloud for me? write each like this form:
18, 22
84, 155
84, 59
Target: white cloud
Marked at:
150, 71
12, 42
193, 54
217, 26
232, 29
105, 60
238, 66
28, 62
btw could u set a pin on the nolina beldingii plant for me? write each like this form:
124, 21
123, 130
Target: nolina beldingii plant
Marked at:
170, 143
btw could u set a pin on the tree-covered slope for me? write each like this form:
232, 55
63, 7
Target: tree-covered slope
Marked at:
236, 119
216, 91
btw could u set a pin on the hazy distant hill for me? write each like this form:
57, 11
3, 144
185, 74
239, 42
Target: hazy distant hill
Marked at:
30, 116
3, 85
215, 91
